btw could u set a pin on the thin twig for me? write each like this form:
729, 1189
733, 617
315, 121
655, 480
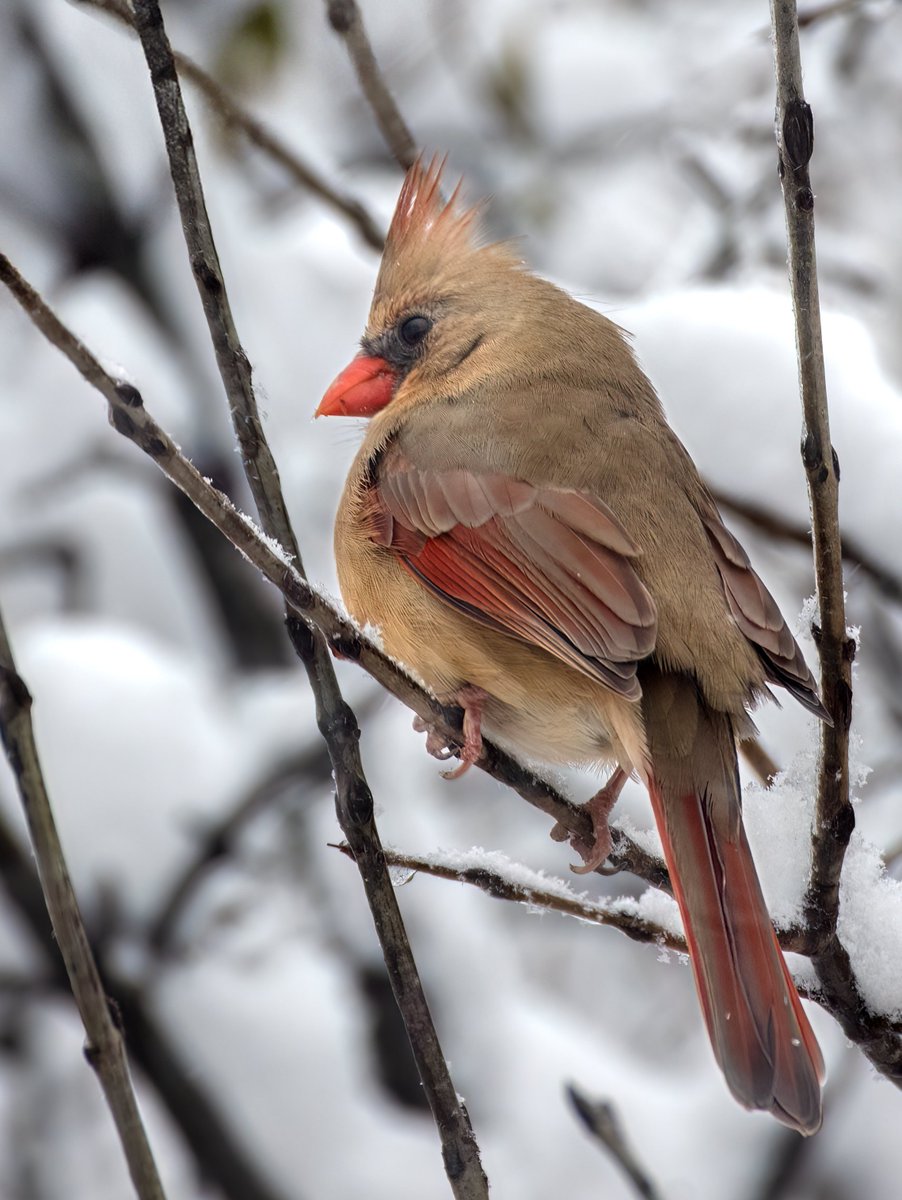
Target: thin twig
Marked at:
236, 117
128, 415
603, 912
234, 366
494, 884
835, 817
336, 721
217, 842
104, 1049
601, 1120
345, 19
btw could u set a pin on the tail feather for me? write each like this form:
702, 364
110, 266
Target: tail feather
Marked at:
758, 1029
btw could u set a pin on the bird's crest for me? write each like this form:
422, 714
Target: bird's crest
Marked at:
433, 246
423, 218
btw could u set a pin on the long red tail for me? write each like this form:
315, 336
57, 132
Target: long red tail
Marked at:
758, 1029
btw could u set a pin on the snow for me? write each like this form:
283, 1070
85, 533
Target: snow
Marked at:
870, 927
273, 544
124, 725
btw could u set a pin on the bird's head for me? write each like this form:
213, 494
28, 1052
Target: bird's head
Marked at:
440, 309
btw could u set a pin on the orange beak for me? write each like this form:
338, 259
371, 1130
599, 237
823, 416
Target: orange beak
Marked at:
364, 387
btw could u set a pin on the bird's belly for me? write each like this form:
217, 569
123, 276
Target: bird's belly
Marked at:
538, 707
564, 731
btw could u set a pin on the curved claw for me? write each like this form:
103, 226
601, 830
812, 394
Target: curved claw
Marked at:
471, 700
593, 854
598, 808
460, 769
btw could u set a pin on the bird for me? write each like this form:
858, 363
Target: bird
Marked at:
534, 542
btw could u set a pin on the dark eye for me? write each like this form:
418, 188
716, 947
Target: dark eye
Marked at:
413, 330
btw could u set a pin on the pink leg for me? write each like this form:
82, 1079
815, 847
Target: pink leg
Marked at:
599, 808
471, 700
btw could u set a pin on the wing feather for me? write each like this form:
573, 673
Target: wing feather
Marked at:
550, 566
756, 613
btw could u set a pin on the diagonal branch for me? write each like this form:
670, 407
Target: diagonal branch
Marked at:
336, 721
554, 895
600, 1119
104, 1048
835, 818
234, 366
217, 842
551, 895
344, 17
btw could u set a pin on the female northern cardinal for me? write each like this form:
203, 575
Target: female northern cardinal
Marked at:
532, 538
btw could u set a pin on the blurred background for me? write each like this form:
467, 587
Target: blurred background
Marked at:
629, 144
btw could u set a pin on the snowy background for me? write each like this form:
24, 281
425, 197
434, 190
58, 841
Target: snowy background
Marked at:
631, 144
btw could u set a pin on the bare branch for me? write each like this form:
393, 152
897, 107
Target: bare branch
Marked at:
104, 1049
601, 1120
236, 117
336, 721
495, 884
216, 843
233, 364
835, 817
311, 764
345, 19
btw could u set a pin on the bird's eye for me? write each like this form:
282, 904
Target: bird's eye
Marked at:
413, 330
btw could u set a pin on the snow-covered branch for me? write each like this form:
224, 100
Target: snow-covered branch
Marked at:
493, 873
835, 818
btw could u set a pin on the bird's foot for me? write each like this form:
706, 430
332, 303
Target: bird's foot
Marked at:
471, 700
593, 853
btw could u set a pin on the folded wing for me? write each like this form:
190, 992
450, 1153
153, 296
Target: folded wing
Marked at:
550, 566
756, 613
